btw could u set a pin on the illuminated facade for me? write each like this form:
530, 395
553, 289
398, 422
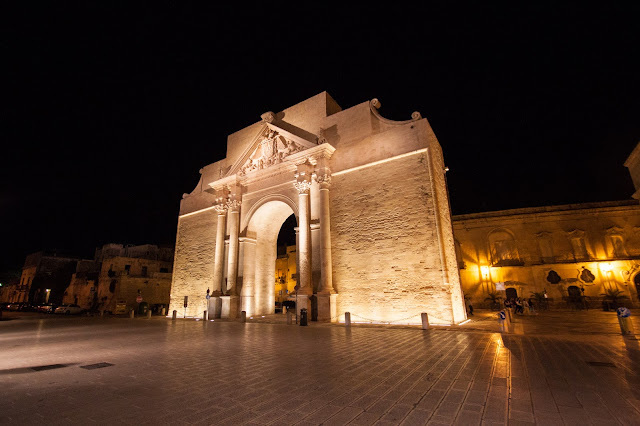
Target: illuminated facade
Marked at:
118, 275
286, 276
577, 252
374, 234
568, 251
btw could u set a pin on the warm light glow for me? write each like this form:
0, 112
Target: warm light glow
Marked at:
375, 163
465, 321
484, 270
605, 267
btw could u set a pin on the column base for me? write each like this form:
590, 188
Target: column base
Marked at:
303, 301
214, 307
229, 307
327, 307
246, 304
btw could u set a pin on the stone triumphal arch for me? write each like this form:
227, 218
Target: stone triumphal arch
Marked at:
374, 234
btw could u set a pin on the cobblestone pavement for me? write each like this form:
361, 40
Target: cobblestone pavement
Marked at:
196, 372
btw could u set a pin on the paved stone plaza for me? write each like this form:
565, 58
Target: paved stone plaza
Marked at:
195, 372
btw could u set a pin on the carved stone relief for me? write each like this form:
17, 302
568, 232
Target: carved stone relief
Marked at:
273, 149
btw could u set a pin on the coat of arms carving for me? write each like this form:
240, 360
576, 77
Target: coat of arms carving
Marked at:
272, 149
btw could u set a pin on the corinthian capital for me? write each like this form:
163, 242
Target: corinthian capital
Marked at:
221, 208
303, 187
233, 204
303, 175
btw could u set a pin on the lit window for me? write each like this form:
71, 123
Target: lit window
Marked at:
503, 249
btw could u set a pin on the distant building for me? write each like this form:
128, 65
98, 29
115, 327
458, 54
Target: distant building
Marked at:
286, 276
45, 275
119, 274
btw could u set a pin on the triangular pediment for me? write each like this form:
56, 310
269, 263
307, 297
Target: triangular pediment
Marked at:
272, 145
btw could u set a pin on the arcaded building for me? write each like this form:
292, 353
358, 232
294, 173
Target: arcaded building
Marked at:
567, 251
374, 234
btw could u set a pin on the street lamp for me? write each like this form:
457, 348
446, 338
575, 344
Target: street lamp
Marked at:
606, 267
484, 270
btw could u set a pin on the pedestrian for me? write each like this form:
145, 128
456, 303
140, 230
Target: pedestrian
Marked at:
470, 309
519, 308
525, 304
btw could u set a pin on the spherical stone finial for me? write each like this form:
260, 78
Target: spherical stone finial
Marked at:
268, 117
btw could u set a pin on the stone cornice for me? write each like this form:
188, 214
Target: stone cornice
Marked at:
561, 210
634, 156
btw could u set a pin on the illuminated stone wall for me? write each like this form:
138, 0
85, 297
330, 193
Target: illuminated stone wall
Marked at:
193, 262
386, 258
121, 278
601, 237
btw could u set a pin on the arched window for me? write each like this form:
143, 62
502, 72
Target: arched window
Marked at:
503, 249
545, 246
578, 244
615, 242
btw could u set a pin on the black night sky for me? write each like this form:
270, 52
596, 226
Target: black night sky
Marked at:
110, 109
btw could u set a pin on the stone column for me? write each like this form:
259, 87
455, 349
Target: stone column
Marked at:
214, 304
326, 293
303, 185
230, 300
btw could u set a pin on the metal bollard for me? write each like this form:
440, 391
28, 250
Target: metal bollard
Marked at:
205, 315
289, 318
347, 319
243, 316
624, 319
149, 314
164, 311
101, 312
502, 317
175, 314
425, 321
132, 313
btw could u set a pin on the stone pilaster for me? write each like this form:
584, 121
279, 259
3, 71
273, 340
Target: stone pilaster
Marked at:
234, 229
218, 268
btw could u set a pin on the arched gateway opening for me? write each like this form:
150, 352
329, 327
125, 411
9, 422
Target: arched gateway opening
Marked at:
259, 259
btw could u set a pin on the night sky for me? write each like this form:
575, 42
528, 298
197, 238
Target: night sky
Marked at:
110, 110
